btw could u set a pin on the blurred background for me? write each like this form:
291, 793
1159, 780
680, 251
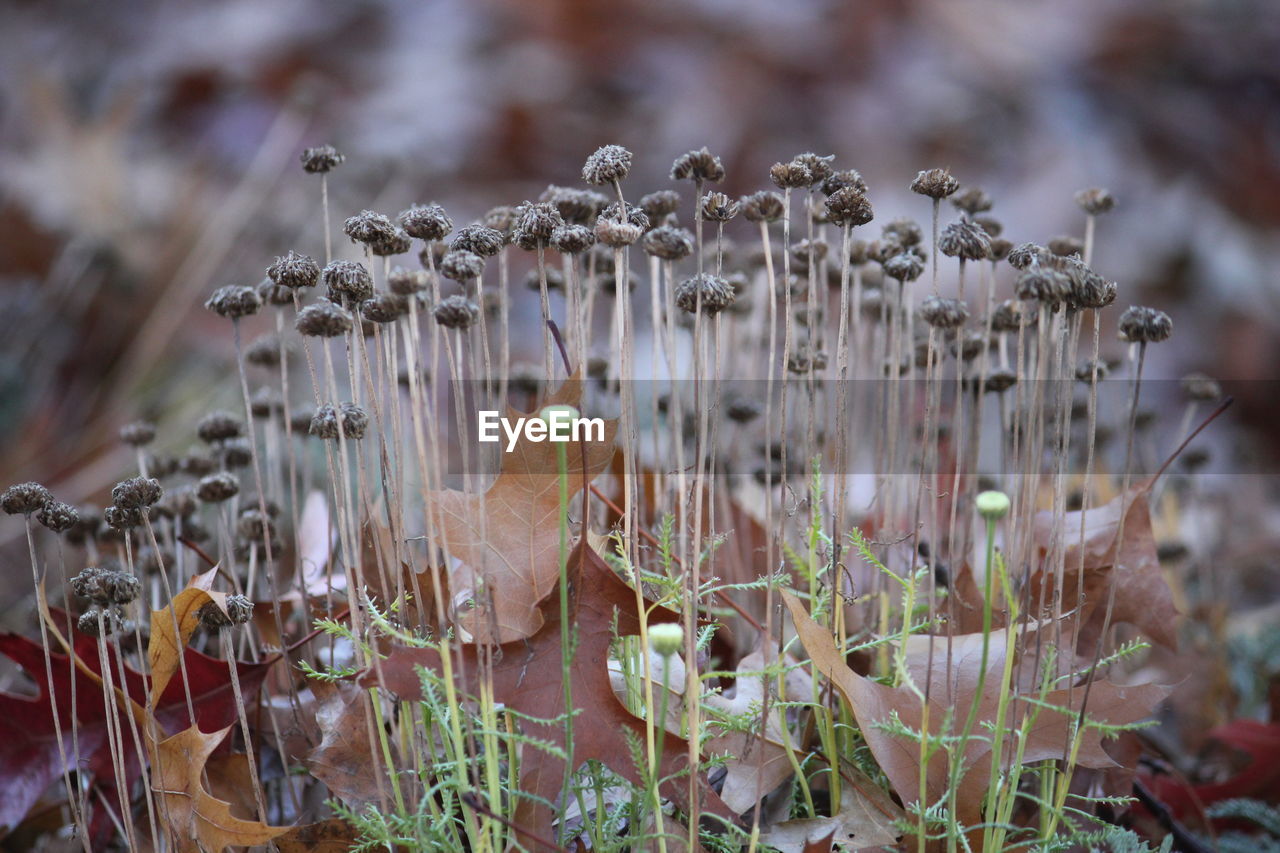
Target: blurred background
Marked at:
149, 153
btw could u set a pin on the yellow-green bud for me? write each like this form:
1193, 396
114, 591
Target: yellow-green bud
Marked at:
666, 639
992, 505
559, 420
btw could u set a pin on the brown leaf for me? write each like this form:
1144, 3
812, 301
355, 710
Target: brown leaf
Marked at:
528, 678
873, 704
864, 820
165, 649
343, 760
508, 538
1142, 595
198, 820
328, 836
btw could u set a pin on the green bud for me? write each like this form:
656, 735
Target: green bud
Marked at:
992, 505
666, 639
559, 421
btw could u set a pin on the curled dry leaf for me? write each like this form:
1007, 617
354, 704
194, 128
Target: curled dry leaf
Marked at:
1048, 732
864, 820
508, 538
342, 760
183, 617
198, 821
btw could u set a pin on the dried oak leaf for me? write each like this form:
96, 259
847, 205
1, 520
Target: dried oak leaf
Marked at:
528, 678
1142, 595
874, 704
198, 821
508, 538
864, 820
341, 761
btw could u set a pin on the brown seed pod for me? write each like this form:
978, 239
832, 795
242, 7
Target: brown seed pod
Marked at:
535, 223
762, 206
842, 179
615, 234
1095, 201
218, 487
712, 293
136, 492
964, 240
1140, 324
606, 165
426, 222
669, 242
791, 175
1065, 246
572, 239
403, 282
1201, 388
972, 200
384, 308
368, 227
293, 271
24, 498
234, 301
718, 207
944, 313
321, 159
479, 240
461, 266
935, 183
324, 320
57, 516
138, 433
577, 206
219, 426
848, 206
660, 204
347, 282
700, 166
1024, 255
456, 312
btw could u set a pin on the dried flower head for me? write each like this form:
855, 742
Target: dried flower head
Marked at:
1040, 284
1000, 380
699, 166
848, 206
479, 240
138, 433
321, 159
1088, 289
905, 232
88, 585
553, 276
324, 320
942, 312
660, 204
791, 176
218, 487
842, 179
326, 420
1201, 388
461, 265
99, 623
1065, 246
1140, 324
120, 587
904, 266
384, 308
819, 167
347, 281
806, 360
964, 240
635, 215
937, 184
1025, 254
1000, 247
24, 498
718, 207
234, 301
124, 518
762, 206
274, 294
235, 453
136, 492
1095, 200
294, 270
426, 222
576, 205
572, 239
196, 464
57, 516
456, 312
403, 282
219, 426
615, 234
989, 224
369, 227
535, 223
607, 165
972, 200
1006, 317
395, 243
742, 410
669, 242
709, 292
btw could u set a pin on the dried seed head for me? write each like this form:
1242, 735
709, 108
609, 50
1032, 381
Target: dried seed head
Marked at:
805, 360
790, 176
601, 258
1047, 286
904, 266
501, 219
1088, 289
535, 223
742, 410
219, 426
136, 492
179, 503
1085, 371
1094, 201
1000, 248
456, 312
972, 200
57, 516
252, 524
212, 618
138, 433
1201, 388
617, 234
572, 239
935, 183
553, 276
964, 240
989, 224
264, 351
196, 464
294, 270
607, 165
319, 160
842, 179
90, 626
700, 166
430, 254
848, 206
426, 222
461, 265
235, 453
711, 292
124, 518
762, 206
369, 227
239, 608
324, 320
234, 301
274, 294
1140, 324
577, 206
218, 487
1006, 317
88, 585
819, 168
969, 345
384, 308
1066, 246
660, 204
405, 282
120, 587
635, 215
905, 232
944, 313
479, 240
325, 422
24, 498
396, 243
718, 207
669, 242
347, 282
1000, 380
609, 286
1025, 254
